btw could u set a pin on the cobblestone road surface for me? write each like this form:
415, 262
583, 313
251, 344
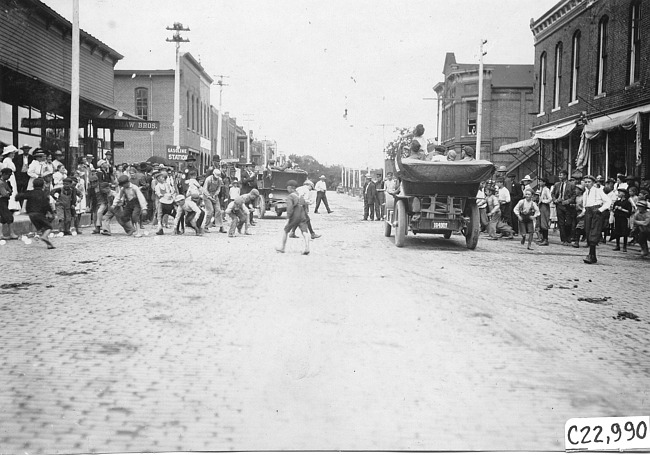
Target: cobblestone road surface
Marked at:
114, 344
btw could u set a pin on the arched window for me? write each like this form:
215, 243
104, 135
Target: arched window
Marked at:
634, 64
558, 76
601, 61
542, 81
575, 66
142, 102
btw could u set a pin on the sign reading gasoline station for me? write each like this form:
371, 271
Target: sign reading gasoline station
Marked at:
177, 153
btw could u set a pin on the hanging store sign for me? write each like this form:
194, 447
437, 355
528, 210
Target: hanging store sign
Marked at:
136, 125
177, 153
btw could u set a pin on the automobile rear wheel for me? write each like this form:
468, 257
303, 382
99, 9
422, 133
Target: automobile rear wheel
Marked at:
472, 230
401, 228
262, 206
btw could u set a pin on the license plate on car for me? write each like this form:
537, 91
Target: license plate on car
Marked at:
439, 225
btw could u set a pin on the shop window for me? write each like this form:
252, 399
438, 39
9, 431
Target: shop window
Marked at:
193, 113
597, 158
575, 66
601, 61
634, 65
542, 81
142, 103
5, 117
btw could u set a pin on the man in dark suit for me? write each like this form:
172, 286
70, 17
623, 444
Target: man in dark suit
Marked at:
564, 197
369, 197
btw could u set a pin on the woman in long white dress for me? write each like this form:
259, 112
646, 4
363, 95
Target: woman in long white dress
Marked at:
8, 162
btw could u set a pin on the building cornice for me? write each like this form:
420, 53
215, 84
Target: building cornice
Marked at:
557, 16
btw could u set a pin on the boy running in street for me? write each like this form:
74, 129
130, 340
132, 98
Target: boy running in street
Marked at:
295, 218
39, 210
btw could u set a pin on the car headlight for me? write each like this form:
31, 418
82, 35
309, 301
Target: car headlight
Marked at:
270, 195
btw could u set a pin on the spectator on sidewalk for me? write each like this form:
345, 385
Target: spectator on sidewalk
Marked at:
579, 231
9, 154
545, 200
622, 211
482, 206
36, 169
641, 220
503, 194
563, 195
39, 210
6, 215
321, 194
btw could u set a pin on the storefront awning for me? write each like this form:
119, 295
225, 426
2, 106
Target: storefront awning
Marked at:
627, 120
532, 142
556, 132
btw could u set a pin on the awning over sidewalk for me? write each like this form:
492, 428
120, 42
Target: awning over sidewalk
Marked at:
627, 120
522, 145
556, 132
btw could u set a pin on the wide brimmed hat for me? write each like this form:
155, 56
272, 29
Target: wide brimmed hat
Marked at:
624, 191
179, 198
322, 177
502, 169
590, 177
9, 149
39, 153
25, 146
526, 178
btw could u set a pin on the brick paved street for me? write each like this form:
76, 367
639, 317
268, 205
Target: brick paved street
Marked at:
118, 344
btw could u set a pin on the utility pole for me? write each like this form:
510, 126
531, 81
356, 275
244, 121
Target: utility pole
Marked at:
221, 85
479, 108
74, 85
178, 39
383, 144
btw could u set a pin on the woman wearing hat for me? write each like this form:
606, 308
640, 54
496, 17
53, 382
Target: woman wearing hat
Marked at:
622, 210
596, 202
8, 155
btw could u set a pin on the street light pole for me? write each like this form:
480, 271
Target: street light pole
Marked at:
178, 39
74, 84
219, 116
479, 108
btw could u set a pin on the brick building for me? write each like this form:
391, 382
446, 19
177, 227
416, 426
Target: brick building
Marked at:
592, 90
150, 95
507, 99
35, 82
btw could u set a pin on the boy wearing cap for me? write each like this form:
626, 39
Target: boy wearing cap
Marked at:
238, 211
495, 224
165, 193
296, 218
39, 210
641, 220
192, 214
66, 198
133, 202
212, 187
321, 194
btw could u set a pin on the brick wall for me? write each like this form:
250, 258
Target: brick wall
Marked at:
618, 94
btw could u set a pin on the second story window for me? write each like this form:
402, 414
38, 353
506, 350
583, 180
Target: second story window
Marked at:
542, 81
575, 66
471, 117
635, 43
601, 62
142, 103
558, 76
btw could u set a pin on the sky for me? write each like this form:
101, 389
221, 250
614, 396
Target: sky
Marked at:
293, 67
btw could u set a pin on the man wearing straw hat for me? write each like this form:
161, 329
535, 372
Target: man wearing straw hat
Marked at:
595, 202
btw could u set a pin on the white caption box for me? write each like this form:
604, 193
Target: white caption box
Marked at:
607, 433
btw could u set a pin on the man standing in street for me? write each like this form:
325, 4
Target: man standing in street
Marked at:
248, 183
380, 202
564, 197
321, 194
304, 193
369, 197
504, 202
596, 203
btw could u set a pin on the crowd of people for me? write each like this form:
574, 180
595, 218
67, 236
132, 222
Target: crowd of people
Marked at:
583, 208
135, 195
